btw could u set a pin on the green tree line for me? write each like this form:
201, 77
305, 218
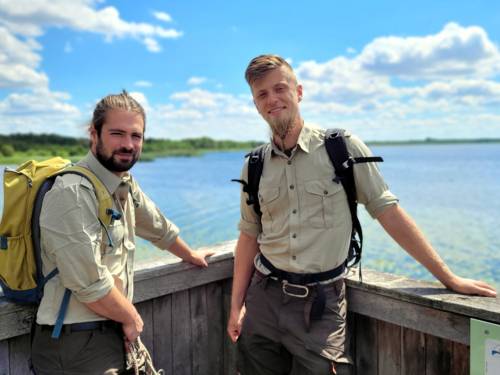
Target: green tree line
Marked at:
48, 145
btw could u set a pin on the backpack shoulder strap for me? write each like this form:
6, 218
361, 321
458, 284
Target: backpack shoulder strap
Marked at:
105, 215
255, 168
104, 197
336, 147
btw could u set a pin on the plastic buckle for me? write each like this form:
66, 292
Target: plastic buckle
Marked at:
303, 288
349, 162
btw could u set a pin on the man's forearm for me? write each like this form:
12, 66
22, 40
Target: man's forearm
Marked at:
181, 249
246, 250
403, 229
115, 306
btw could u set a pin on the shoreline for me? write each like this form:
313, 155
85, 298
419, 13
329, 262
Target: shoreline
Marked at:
20, 157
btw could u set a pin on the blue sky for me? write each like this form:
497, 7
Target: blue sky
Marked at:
384, 69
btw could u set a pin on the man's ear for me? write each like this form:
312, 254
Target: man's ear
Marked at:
299, 92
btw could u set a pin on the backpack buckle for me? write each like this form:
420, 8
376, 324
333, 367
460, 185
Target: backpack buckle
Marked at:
348, 163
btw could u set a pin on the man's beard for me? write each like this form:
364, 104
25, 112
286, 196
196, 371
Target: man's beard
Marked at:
113, 165
281, 127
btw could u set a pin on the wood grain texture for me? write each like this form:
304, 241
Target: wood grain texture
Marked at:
163, 334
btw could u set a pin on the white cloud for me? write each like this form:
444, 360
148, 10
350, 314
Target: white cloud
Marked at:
439, 85
40, 111
151, 45
455, 51
143, 84
194, 81
31, 17
197, 113
162, 16
141, 98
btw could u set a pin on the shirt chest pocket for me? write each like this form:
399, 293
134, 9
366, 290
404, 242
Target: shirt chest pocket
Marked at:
113, 239
269, 205
325, 204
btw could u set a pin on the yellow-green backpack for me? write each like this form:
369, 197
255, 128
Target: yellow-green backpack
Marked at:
21, 275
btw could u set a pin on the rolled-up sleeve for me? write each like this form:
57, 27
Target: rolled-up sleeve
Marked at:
150, 223
371, 189
249, 220
71, 235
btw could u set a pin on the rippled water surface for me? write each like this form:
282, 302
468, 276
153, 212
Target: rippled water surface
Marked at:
452, 191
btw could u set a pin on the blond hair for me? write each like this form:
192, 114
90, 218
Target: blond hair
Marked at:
261, 65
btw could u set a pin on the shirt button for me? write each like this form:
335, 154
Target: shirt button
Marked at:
289, 162
294, 257
325, 192
294, 211
292, 187
294, 235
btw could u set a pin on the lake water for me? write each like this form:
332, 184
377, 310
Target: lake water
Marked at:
452, 191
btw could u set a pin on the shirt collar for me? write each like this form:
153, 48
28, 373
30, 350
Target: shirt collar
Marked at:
303, 142
109, 179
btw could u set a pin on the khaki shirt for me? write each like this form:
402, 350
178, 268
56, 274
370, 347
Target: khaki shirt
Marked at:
73, 241
306, 222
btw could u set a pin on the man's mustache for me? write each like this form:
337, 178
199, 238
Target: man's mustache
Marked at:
124, 151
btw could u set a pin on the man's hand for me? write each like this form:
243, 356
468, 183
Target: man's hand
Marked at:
133, 329
234, 323
183, 251
470, 286
198, 257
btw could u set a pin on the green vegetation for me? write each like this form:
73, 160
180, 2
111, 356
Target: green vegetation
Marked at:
16, 148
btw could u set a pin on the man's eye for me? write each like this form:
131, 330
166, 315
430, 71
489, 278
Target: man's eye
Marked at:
137, 136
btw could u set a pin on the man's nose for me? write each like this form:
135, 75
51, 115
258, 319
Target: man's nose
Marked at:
271, 98
127, 142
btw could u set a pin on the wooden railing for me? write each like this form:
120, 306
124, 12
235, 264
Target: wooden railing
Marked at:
398, 325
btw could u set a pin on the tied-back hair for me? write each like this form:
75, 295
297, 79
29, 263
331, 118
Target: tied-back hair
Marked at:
122, 101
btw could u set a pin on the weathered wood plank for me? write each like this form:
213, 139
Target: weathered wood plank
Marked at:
161, 279
229, 347
15, 319
412, 352
4, 357
425, 293
421, 318
199, 330
188, 277
145, 310
389, 348
366, 360
19, 355
216, 329
163, 334
460, 359
181, 329
438, 353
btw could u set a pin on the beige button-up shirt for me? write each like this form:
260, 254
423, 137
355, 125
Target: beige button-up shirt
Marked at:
73, 241
306, 222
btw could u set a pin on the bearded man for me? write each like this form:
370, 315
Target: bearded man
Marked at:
96, 264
